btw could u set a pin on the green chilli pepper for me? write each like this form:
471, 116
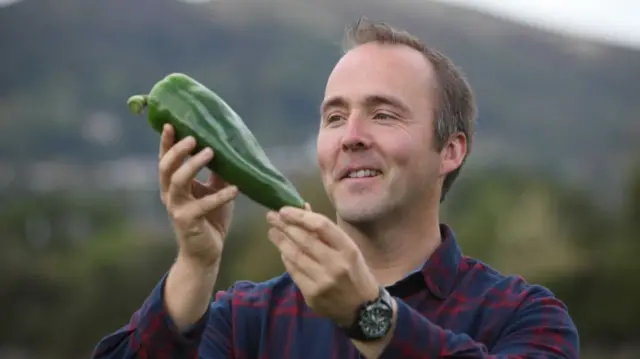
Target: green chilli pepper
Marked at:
194, 110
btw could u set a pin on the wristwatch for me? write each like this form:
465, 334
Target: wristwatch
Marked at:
373, 320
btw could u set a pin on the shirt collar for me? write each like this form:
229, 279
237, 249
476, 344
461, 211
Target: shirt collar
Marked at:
441, 269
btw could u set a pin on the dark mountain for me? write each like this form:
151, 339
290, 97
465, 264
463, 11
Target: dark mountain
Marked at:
562, 105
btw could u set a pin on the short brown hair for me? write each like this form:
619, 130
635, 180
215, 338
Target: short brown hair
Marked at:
456, 109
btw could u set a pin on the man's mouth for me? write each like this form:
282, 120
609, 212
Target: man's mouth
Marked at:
363, 173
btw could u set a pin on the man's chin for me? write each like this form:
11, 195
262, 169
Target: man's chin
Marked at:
358, 213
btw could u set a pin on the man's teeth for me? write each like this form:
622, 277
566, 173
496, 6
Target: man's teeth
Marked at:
363, 173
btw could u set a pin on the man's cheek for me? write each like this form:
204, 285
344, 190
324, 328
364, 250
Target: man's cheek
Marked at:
402, 153
326, 153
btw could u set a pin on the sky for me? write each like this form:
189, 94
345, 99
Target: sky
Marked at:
616, 21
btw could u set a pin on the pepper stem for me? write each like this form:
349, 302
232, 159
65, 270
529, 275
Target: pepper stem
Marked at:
137, 103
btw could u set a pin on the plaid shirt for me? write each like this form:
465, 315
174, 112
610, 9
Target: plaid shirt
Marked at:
454, 307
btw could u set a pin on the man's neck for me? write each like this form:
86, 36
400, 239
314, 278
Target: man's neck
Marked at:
392, 250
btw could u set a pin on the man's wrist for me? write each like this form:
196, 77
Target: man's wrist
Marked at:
197, 266
374, 349
187, 292
373, 319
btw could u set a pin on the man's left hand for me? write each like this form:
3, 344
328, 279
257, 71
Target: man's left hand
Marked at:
324, 262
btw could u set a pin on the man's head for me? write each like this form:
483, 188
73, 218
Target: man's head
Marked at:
399, 108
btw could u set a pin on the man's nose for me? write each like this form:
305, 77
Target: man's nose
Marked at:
355, 135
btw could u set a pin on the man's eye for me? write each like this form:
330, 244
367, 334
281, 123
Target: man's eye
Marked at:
383, 116
334, 118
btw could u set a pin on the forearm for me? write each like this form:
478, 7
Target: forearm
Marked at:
414, 336
187, 292
543, 332
151, 333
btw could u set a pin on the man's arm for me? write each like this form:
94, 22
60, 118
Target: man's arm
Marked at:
541, 328
152, 333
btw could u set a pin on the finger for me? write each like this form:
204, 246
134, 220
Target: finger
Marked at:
167, 139
307, 206
315, 223
201, 207
306, 241
304, 275
172, 159
305, 283
186, 174
299, 261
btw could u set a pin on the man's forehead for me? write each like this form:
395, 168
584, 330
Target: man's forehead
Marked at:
379, 70
392, 56
386, 62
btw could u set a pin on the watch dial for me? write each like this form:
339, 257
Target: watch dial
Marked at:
376, 320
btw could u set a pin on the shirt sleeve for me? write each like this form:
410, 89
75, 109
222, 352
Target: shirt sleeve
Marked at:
151, 332
541, 328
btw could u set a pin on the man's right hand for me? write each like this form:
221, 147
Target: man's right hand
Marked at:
200, 212
201, 215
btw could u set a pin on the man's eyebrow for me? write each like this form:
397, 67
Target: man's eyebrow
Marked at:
370, 101
336, 101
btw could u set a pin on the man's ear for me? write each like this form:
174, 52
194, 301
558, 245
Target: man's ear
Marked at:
453, 153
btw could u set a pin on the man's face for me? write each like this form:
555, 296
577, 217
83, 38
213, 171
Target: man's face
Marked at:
376, 149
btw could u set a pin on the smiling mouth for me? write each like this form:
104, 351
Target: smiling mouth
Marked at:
363, 173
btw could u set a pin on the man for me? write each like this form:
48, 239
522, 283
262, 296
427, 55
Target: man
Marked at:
387, 280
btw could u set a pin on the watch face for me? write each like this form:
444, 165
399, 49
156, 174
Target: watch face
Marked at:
376, 320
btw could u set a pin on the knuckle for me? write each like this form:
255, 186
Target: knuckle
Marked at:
331, 282
272, 234
305, 247
351, 254
315, 226
340, 270
324, 286
322, 225
294, 253
175, 179
180, 217
206, 204
163, 165
172, 190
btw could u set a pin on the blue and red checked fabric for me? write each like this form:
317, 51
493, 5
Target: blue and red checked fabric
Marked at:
454, 307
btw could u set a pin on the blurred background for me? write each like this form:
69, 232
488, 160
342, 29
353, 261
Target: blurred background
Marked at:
551, 191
